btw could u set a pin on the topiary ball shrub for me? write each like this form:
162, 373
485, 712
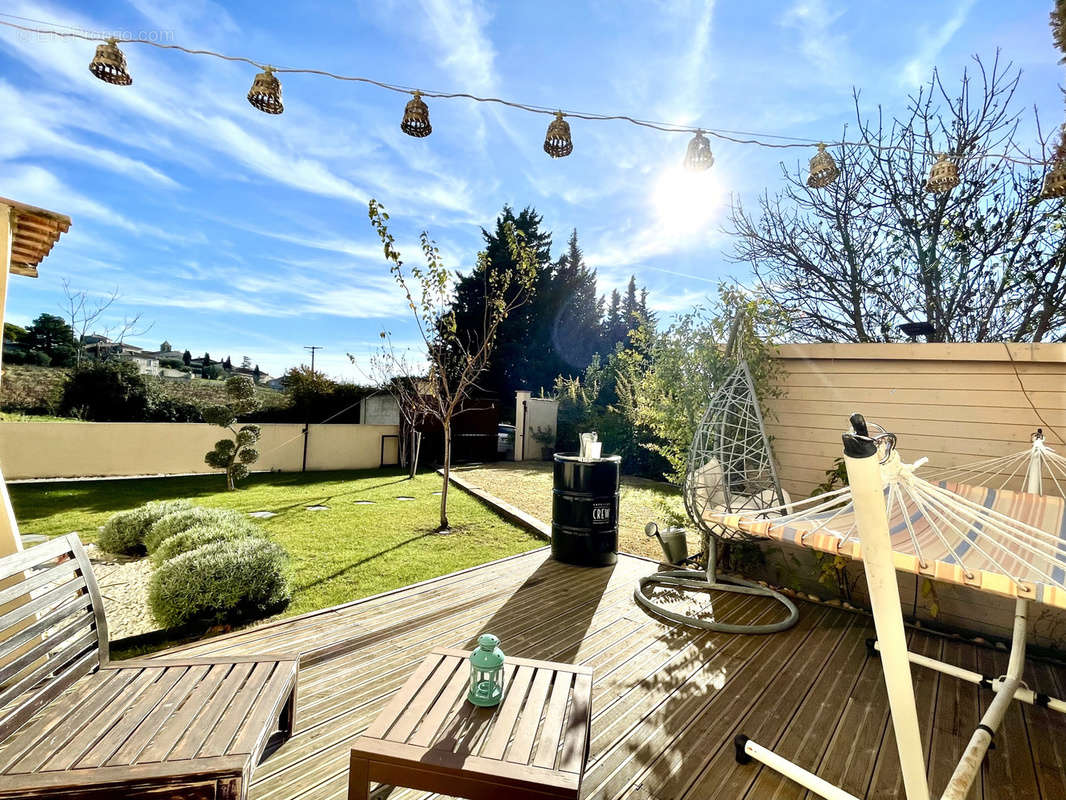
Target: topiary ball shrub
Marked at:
232, 580
125, 532
214, 531
186, 518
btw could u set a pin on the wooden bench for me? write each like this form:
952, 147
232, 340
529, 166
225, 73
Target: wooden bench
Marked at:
533, 746
74, 725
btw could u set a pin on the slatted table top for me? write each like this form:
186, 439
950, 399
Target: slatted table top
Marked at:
536, 738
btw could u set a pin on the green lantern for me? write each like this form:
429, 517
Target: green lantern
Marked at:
486, 672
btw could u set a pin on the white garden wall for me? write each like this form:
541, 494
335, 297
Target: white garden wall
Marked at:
113, 449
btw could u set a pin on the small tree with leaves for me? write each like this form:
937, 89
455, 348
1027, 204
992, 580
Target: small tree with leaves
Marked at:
234, 455
455, 358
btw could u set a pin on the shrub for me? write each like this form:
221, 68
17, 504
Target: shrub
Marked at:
125, 532
223, 581
182, 519
199, 535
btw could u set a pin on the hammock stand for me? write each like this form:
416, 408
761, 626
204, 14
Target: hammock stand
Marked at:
1044, 469
730, 468
892, 519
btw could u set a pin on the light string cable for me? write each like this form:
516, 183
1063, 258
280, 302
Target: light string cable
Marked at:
734, 136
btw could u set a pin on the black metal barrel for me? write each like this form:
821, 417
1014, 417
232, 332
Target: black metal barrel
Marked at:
585, 510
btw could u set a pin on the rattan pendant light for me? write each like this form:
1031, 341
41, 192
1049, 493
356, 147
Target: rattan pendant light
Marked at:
265, 93
557, 141
699, 157
1055, 181
944, 176
416, 118
824, 169
109, 65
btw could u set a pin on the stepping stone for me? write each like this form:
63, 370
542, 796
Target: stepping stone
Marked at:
364, 502
404, 497
438, 493
318, 508
262, 514
30, 539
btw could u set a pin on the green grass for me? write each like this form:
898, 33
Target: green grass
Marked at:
14, 416
347, 552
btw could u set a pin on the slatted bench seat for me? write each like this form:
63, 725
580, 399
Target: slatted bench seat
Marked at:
72, 724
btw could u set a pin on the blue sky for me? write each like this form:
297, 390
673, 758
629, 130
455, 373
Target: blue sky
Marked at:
246, 234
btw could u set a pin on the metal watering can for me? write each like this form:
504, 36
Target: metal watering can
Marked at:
672, 541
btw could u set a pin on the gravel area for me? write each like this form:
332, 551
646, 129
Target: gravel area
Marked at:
528, 485
124, 586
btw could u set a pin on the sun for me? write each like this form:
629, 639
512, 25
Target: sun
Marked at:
687, 203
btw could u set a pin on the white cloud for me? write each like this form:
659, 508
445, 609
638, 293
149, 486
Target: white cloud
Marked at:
931, 42
826, 49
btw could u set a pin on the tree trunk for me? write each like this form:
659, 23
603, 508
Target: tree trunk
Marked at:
447, 472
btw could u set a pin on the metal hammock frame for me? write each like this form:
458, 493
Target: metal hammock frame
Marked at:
893, 519
1043, 470
730, 468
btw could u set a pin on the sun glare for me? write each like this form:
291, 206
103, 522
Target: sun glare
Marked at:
686, 203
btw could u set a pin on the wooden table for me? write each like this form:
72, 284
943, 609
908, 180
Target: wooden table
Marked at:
430, 737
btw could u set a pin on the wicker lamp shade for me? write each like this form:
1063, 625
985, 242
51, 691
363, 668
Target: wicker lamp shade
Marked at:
699, 157
416, 118
1055, 181
824, 169
265, 93
109, 65
557, 141
944, 176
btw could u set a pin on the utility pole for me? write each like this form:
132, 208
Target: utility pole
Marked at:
312, 348
307, 422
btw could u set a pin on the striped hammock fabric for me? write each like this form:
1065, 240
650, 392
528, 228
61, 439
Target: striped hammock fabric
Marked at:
999, 541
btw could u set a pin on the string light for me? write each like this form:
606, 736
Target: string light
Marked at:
109, 65
266, 90
944, 176
416, 118
698, 156
265, 93
824, 169
557, 141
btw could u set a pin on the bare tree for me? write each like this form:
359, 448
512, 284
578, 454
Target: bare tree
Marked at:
455, 359
983, 262
85, 310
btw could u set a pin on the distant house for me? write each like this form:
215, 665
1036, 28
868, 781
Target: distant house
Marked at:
99, 346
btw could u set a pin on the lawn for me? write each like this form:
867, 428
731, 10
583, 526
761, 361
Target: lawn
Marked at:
349, 551
528, 485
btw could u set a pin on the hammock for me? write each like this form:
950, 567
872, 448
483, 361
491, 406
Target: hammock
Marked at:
1037, 470
1004, 542
995, 540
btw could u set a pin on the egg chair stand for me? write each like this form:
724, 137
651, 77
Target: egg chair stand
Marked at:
892, 519
730, 468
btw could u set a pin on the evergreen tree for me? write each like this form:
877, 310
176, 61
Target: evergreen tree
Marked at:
575, 312
517, 352
186, 358
256, 373
631, 308
227, 365
614, 327
207, 359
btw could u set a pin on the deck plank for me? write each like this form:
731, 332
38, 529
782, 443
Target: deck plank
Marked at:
666, 700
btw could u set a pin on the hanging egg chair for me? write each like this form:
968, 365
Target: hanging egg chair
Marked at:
730, 466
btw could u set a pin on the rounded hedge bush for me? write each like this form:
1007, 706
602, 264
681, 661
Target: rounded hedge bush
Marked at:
199, 535
186, 518
125, 531
229, 580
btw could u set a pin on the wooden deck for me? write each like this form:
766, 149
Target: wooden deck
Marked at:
667, 701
